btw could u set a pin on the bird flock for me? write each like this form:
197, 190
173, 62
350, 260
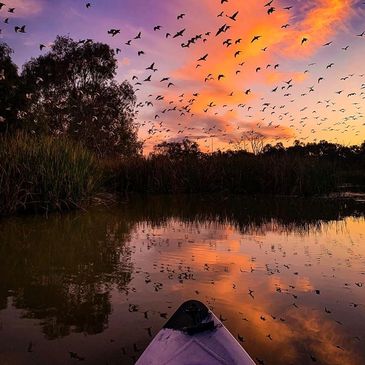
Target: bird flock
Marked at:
295, 107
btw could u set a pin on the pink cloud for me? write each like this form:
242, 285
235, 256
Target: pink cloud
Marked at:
25, 8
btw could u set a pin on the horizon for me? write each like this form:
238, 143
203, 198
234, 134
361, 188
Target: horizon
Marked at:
332, 111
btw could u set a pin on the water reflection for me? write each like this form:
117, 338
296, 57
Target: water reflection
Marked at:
61, 270
286, 275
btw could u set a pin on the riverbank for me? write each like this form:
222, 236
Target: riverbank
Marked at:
43, 174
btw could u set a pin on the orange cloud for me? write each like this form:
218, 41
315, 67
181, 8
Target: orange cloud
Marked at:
249, 65
322, 20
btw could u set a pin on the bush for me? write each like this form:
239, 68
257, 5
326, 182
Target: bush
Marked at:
44, 173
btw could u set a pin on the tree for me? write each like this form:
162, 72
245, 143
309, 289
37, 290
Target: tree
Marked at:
256, 140
274, 150
72, 91
176, 150
9, 90
362, 148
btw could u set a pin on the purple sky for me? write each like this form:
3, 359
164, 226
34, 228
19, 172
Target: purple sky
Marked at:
221, 110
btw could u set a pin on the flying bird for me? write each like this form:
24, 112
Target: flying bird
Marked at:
204, 58
233, 16
19, 29
179, 33
151, 67
222, 29
113, 32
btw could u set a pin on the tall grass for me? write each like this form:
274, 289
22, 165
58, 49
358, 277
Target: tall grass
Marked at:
231, 173
44, 173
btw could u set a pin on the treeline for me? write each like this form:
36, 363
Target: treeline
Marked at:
44, 174
180, 167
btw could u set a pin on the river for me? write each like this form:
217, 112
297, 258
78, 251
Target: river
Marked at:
287, 277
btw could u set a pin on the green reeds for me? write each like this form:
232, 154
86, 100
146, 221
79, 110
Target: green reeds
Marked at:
44, 173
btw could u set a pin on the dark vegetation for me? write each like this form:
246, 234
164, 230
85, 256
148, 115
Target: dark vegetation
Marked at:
59, 117
70, 92
45, 173
67, 130
302, 170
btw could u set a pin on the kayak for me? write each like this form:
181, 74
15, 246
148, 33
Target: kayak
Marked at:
194, 336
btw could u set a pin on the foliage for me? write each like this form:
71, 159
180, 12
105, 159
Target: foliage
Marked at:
9, 90
71, 91
176, 150
44, 173
312, 169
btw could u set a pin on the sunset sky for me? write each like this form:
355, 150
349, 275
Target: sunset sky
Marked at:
306, 72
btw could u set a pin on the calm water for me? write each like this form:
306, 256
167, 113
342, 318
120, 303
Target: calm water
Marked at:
286, 275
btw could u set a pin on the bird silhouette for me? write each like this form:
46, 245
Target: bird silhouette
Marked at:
179, 33
233, 16
19, 29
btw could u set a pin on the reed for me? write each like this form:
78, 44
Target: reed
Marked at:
44, 173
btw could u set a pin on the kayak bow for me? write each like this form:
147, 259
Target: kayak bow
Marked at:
194, 336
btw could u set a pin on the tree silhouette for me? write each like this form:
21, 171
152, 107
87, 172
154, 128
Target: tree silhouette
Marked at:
72, 92
9, 90
176, 150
